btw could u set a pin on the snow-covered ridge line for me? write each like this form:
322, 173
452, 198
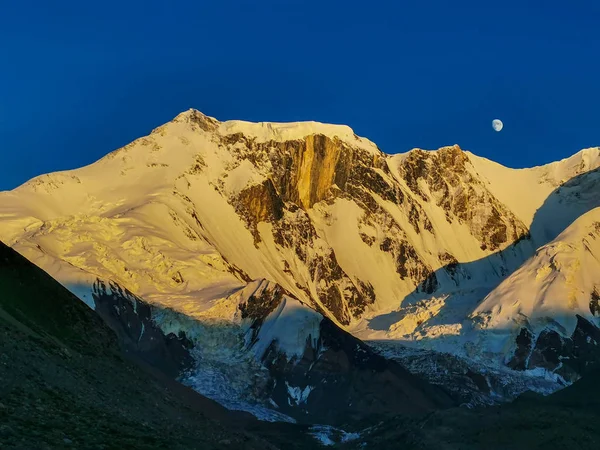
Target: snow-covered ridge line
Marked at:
263, 132
268, 131
585, 156
288, 131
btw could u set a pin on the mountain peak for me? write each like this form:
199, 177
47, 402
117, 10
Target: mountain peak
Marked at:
418, 153
445, 148
193, 116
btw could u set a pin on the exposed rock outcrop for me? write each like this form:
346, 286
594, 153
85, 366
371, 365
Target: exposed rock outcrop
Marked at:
451, 184
259, 203
131, 319
570, 357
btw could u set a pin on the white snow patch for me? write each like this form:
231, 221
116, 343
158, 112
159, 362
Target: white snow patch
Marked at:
141, 331
328, 435
298, 394
84, 293
292, 326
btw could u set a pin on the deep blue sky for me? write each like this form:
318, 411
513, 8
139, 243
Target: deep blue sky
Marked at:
79, 79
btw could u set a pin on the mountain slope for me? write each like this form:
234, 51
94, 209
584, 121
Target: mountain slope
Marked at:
321, 373
399, 247
66, 382
507, 184
555, 303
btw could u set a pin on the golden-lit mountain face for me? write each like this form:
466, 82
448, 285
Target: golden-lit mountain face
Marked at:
414, 248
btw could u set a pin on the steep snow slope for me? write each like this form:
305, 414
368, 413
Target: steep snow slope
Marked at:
556, 283
402, 247
554, 296
508, 184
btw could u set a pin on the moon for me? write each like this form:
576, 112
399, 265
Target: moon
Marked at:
497, 124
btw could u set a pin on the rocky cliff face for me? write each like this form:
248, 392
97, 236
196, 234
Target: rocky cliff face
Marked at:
570, 357
322, 170
131, 320
447, 178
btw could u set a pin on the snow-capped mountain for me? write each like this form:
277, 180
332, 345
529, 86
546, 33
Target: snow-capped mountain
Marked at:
440, 249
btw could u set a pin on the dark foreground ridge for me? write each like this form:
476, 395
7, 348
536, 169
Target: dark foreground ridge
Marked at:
565, 420
66, 383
